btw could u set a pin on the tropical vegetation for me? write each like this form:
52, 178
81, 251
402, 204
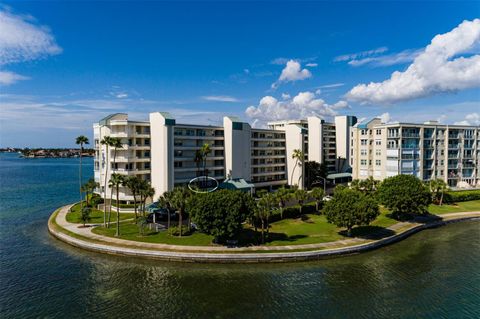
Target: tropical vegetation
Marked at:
404, 195
349, 208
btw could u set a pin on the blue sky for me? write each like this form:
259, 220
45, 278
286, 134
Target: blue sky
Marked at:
65, 65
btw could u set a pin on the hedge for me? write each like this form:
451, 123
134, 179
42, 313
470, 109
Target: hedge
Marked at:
461, 196
293, 212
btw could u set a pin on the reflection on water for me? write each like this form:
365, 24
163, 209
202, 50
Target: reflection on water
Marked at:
432, 274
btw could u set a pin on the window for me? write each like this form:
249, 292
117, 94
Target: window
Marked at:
363, 162
363, 152
379, 132
378, 142
378, 152
363, 132
378, 162
363, 142
177, 164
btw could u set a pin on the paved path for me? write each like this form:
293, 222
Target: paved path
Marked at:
240, 254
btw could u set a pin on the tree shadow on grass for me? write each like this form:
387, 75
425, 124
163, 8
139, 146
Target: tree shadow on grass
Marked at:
416, 218
248, 237
369, 232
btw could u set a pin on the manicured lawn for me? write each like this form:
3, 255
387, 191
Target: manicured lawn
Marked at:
308, 229
470, 206
130, 231
96, 216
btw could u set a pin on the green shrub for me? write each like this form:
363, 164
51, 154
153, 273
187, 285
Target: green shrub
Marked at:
461, 196
293, 212
175, 231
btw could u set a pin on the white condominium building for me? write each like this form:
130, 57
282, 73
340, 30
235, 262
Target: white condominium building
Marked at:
164, 151
428, 151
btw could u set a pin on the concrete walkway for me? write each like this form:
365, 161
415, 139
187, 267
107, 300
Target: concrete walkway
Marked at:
216, 253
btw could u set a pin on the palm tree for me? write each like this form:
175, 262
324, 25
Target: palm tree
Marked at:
298, 156
133, 184
437, 188
89, 188
282, 195
198, 160
107, 142
179, 202
317, 193
116, 180
116, 143
301, 196
166, 201
81, 140
205, 150
265, 205
147, 192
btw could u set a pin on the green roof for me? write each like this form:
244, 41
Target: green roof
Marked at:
236, 184
107, 118
339, 175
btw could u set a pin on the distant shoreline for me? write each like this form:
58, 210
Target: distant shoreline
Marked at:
49, 152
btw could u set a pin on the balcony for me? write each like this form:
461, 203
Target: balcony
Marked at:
130, 172
410, 135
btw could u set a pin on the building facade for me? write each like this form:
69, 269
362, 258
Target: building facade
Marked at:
428, 151
164, 151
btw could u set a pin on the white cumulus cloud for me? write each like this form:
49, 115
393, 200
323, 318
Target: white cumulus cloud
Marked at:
7, 78
470, 119
299, 107
439, 68
292, 72
385, 117
22, 39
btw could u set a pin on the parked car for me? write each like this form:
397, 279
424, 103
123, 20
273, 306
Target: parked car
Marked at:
327, 198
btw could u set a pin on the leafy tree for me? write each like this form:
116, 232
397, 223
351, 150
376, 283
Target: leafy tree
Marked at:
301, 196
350, 208
85, 215
260, 192
282, 195
299, 157
116, 180
179, 200
315, 173
367, 186
221, 213
81, 140
403, 195
437, 188
317, 193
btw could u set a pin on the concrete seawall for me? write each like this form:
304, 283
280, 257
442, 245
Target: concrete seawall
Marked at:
247, 257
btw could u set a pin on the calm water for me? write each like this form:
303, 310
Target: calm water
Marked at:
434, 274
